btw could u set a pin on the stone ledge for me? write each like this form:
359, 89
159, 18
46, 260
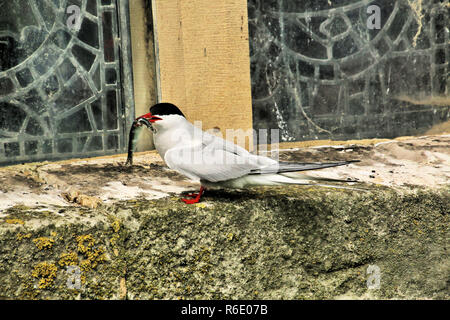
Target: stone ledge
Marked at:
266, 243
272, 243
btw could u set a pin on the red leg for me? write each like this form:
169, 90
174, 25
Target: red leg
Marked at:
196, 196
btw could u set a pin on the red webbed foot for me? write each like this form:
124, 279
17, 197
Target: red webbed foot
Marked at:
196, 197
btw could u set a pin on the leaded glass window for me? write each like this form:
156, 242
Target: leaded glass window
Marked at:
65, 79
349, 69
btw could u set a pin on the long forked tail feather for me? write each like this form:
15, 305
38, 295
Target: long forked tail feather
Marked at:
286, 180
281, 179
283, 167
337, 187
297, 175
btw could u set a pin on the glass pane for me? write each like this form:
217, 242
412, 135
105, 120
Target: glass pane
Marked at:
341, 70
52, 78
108, 38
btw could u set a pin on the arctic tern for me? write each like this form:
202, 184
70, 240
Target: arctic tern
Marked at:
215, 162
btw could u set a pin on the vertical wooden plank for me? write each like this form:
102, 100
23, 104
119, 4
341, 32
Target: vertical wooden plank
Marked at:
203, 58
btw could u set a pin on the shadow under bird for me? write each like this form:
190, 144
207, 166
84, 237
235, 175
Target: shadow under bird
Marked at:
215, 162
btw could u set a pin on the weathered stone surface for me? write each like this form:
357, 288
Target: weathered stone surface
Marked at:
142, 242
271, 243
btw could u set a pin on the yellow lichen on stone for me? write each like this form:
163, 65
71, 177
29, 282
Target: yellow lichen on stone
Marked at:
85, 265
116, 225
21, 236
15, 221
43, 243
114, 239
29, 292
68, 259
46, 273
94, 258
85, 243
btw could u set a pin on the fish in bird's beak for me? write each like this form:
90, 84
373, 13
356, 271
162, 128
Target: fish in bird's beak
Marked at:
147, 120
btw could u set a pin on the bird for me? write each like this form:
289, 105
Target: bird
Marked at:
215, 162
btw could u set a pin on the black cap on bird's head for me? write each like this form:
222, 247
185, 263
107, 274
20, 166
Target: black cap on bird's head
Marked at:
165, 109
160, 109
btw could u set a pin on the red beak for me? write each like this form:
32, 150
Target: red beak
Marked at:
149, 117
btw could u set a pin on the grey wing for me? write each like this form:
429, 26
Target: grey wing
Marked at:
211, 165
214, 160
217, 143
